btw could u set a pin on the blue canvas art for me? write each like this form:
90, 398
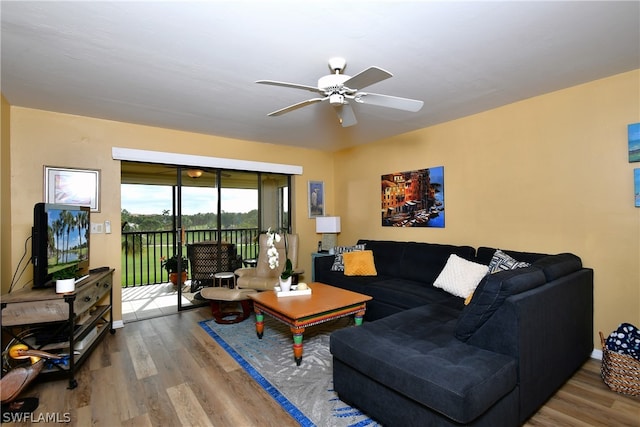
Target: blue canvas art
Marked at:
636, 181
634, 142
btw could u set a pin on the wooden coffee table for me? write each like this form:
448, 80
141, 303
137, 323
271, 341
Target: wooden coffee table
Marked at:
325, 303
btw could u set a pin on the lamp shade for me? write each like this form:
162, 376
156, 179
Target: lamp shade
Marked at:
327, 224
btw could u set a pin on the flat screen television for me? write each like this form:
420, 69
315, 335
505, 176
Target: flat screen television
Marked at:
60, 239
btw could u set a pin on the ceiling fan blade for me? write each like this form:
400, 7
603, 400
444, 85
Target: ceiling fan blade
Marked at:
367, 77
296, 106
346, 115
396, 102
291, 85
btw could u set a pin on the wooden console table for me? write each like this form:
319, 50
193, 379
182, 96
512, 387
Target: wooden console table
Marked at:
57, 323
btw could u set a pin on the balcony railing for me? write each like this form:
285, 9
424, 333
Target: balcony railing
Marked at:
142, 252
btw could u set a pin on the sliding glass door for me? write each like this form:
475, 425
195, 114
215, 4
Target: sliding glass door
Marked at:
196, 210
170, 211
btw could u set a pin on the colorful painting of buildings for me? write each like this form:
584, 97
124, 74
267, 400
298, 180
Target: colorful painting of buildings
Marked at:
413, 198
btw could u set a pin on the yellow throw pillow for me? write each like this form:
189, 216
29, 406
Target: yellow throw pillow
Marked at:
359, 263
468, 300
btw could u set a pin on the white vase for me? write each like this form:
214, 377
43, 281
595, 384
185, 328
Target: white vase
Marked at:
65, 285
285, 284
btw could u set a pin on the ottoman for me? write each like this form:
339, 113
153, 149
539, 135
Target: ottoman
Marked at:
219, 297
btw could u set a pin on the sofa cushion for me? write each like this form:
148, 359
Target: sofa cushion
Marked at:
360, 284
405, 294
460, 277
502, 261
359, 263
555, 266
424, 261
338, 262
387, 256
414, 353
484, 255
491, 293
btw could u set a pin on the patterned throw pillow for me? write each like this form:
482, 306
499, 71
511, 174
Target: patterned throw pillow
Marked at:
338, 263
460, 277
501, 262
625, 340
359, 263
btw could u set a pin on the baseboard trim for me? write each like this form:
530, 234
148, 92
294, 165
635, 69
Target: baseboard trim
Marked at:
117, 324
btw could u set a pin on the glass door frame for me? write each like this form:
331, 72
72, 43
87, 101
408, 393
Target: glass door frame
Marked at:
278, 204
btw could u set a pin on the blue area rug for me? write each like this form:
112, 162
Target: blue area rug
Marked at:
305, 391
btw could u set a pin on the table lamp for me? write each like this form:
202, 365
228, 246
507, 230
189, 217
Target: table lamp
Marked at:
329, 226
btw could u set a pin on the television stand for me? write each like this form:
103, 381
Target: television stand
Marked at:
80, 279
57, 323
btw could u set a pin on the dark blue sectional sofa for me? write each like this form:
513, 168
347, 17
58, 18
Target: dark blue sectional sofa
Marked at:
423, 358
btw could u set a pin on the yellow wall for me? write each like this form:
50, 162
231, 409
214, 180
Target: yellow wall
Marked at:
41, 138
5, 194
549, 174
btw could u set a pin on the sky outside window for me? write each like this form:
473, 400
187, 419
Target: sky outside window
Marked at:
154, 199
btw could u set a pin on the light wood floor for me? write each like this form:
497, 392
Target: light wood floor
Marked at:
167, 371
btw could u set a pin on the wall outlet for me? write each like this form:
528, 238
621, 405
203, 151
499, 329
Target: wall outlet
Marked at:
96, 228
107, 227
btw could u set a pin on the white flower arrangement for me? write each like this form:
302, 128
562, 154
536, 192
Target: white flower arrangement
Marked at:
274, 256
272, 252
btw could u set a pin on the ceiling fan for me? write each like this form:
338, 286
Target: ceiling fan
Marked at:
340, 90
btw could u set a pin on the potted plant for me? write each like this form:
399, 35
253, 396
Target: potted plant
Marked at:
65, 279
171, 265
274, 262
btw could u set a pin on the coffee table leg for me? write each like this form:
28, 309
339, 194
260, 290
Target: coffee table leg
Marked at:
297, 344
358, 317
259, 322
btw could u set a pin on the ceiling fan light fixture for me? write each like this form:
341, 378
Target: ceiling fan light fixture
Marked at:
338, 88
195, 173
336, 99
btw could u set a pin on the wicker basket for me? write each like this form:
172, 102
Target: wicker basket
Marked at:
620, 372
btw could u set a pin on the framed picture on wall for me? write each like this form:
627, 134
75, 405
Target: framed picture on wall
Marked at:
636, 186
316, 198
413, 198
634, 142
79, 187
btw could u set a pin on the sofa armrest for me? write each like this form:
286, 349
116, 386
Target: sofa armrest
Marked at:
323, 263
245, 272
549, 330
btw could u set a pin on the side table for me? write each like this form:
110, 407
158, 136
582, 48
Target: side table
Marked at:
229, 276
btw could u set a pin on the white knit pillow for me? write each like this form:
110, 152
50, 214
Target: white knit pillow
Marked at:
460, 277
